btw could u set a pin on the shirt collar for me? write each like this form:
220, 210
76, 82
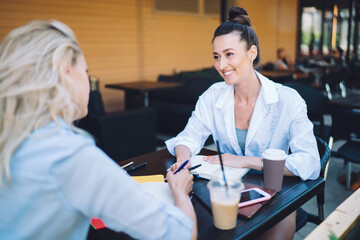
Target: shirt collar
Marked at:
267, 92
225, 98
268, 89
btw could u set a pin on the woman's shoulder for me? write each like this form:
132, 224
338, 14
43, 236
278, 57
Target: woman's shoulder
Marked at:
282, 92
216, 88
60, 129
59, 136
49, 145
214, 93
288, 95
287, 91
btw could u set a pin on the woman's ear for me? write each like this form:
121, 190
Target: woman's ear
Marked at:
252, 52
67, 68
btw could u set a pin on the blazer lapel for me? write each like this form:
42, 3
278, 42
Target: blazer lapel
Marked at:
226, 106
258, 116
267, 96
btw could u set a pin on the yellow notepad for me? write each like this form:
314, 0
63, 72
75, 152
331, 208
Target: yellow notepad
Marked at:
149, 178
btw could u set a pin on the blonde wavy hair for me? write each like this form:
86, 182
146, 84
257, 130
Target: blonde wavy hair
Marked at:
34, 88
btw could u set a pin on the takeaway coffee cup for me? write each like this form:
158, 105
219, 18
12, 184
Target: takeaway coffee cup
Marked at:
273, 168
224, 201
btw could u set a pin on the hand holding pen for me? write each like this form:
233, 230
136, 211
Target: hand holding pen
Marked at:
178, 164
182, 166
180, 180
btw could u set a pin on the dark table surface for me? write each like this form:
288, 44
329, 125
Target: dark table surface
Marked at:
294, 193
351, 101
278, 73
142, 86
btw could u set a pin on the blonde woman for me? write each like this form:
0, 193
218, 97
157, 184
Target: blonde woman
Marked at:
53, 177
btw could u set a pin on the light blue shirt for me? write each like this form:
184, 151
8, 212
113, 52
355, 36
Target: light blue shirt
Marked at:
279, 121
241, 138
60, 179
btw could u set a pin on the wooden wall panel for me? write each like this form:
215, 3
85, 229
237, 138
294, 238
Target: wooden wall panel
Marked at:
130, 41
287, 26
275, 24
106, 31
174, 41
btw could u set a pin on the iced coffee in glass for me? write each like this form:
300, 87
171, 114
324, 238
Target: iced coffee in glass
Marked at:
225, 199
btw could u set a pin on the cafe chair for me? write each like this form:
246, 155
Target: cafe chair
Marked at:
335, 81
302, 217
345, 126
317, 106
269, 66
122, 135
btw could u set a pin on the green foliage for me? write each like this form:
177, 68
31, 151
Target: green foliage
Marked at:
332, 236
306, 37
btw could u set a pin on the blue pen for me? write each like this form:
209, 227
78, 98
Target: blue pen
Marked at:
181, 167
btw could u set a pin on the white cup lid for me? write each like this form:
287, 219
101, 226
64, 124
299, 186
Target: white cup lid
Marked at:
274, 154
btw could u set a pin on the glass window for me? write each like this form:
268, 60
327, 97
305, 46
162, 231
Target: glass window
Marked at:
310, 31
317, 19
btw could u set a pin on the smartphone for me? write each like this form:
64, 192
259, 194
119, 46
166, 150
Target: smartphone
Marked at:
253, 195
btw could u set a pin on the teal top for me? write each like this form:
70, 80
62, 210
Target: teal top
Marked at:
241, 138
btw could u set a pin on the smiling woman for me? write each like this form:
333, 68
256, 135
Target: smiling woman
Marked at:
248, 113
240, 23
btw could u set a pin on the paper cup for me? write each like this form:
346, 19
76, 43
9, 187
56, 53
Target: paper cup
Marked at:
273, 168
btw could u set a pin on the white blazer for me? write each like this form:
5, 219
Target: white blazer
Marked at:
279, 121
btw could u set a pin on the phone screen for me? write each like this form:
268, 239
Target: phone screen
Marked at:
250, 195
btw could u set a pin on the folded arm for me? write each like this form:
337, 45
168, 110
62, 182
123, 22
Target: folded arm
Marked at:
232, 160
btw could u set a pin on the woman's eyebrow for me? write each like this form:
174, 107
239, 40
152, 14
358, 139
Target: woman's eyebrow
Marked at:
228, 49
224, 51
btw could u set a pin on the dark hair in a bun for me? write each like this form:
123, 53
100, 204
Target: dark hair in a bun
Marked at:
239, 21
239, 15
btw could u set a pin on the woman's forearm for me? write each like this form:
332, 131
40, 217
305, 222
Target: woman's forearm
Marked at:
257, 164
183, 202
253, 162
182, 153
288, 173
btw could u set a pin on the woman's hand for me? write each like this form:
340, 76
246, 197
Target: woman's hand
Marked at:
230, 160
181, 181
176, 165
182, 154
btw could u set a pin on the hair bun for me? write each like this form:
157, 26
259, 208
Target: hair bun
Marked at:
239, 15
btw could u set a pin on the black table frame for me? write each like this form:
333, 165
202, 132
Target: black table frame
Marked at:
144, 87
294, 194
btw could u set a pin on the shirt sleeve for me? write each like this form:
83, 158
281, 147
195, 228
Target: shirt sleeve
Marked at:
92, 183
304, 160
196, 131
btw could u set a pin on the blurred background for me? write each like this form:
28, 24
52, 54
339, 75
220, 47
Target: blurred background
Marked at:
168, 43
126, 41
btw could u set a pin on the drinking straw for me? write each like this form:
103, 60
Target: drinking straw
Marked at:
222, 165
